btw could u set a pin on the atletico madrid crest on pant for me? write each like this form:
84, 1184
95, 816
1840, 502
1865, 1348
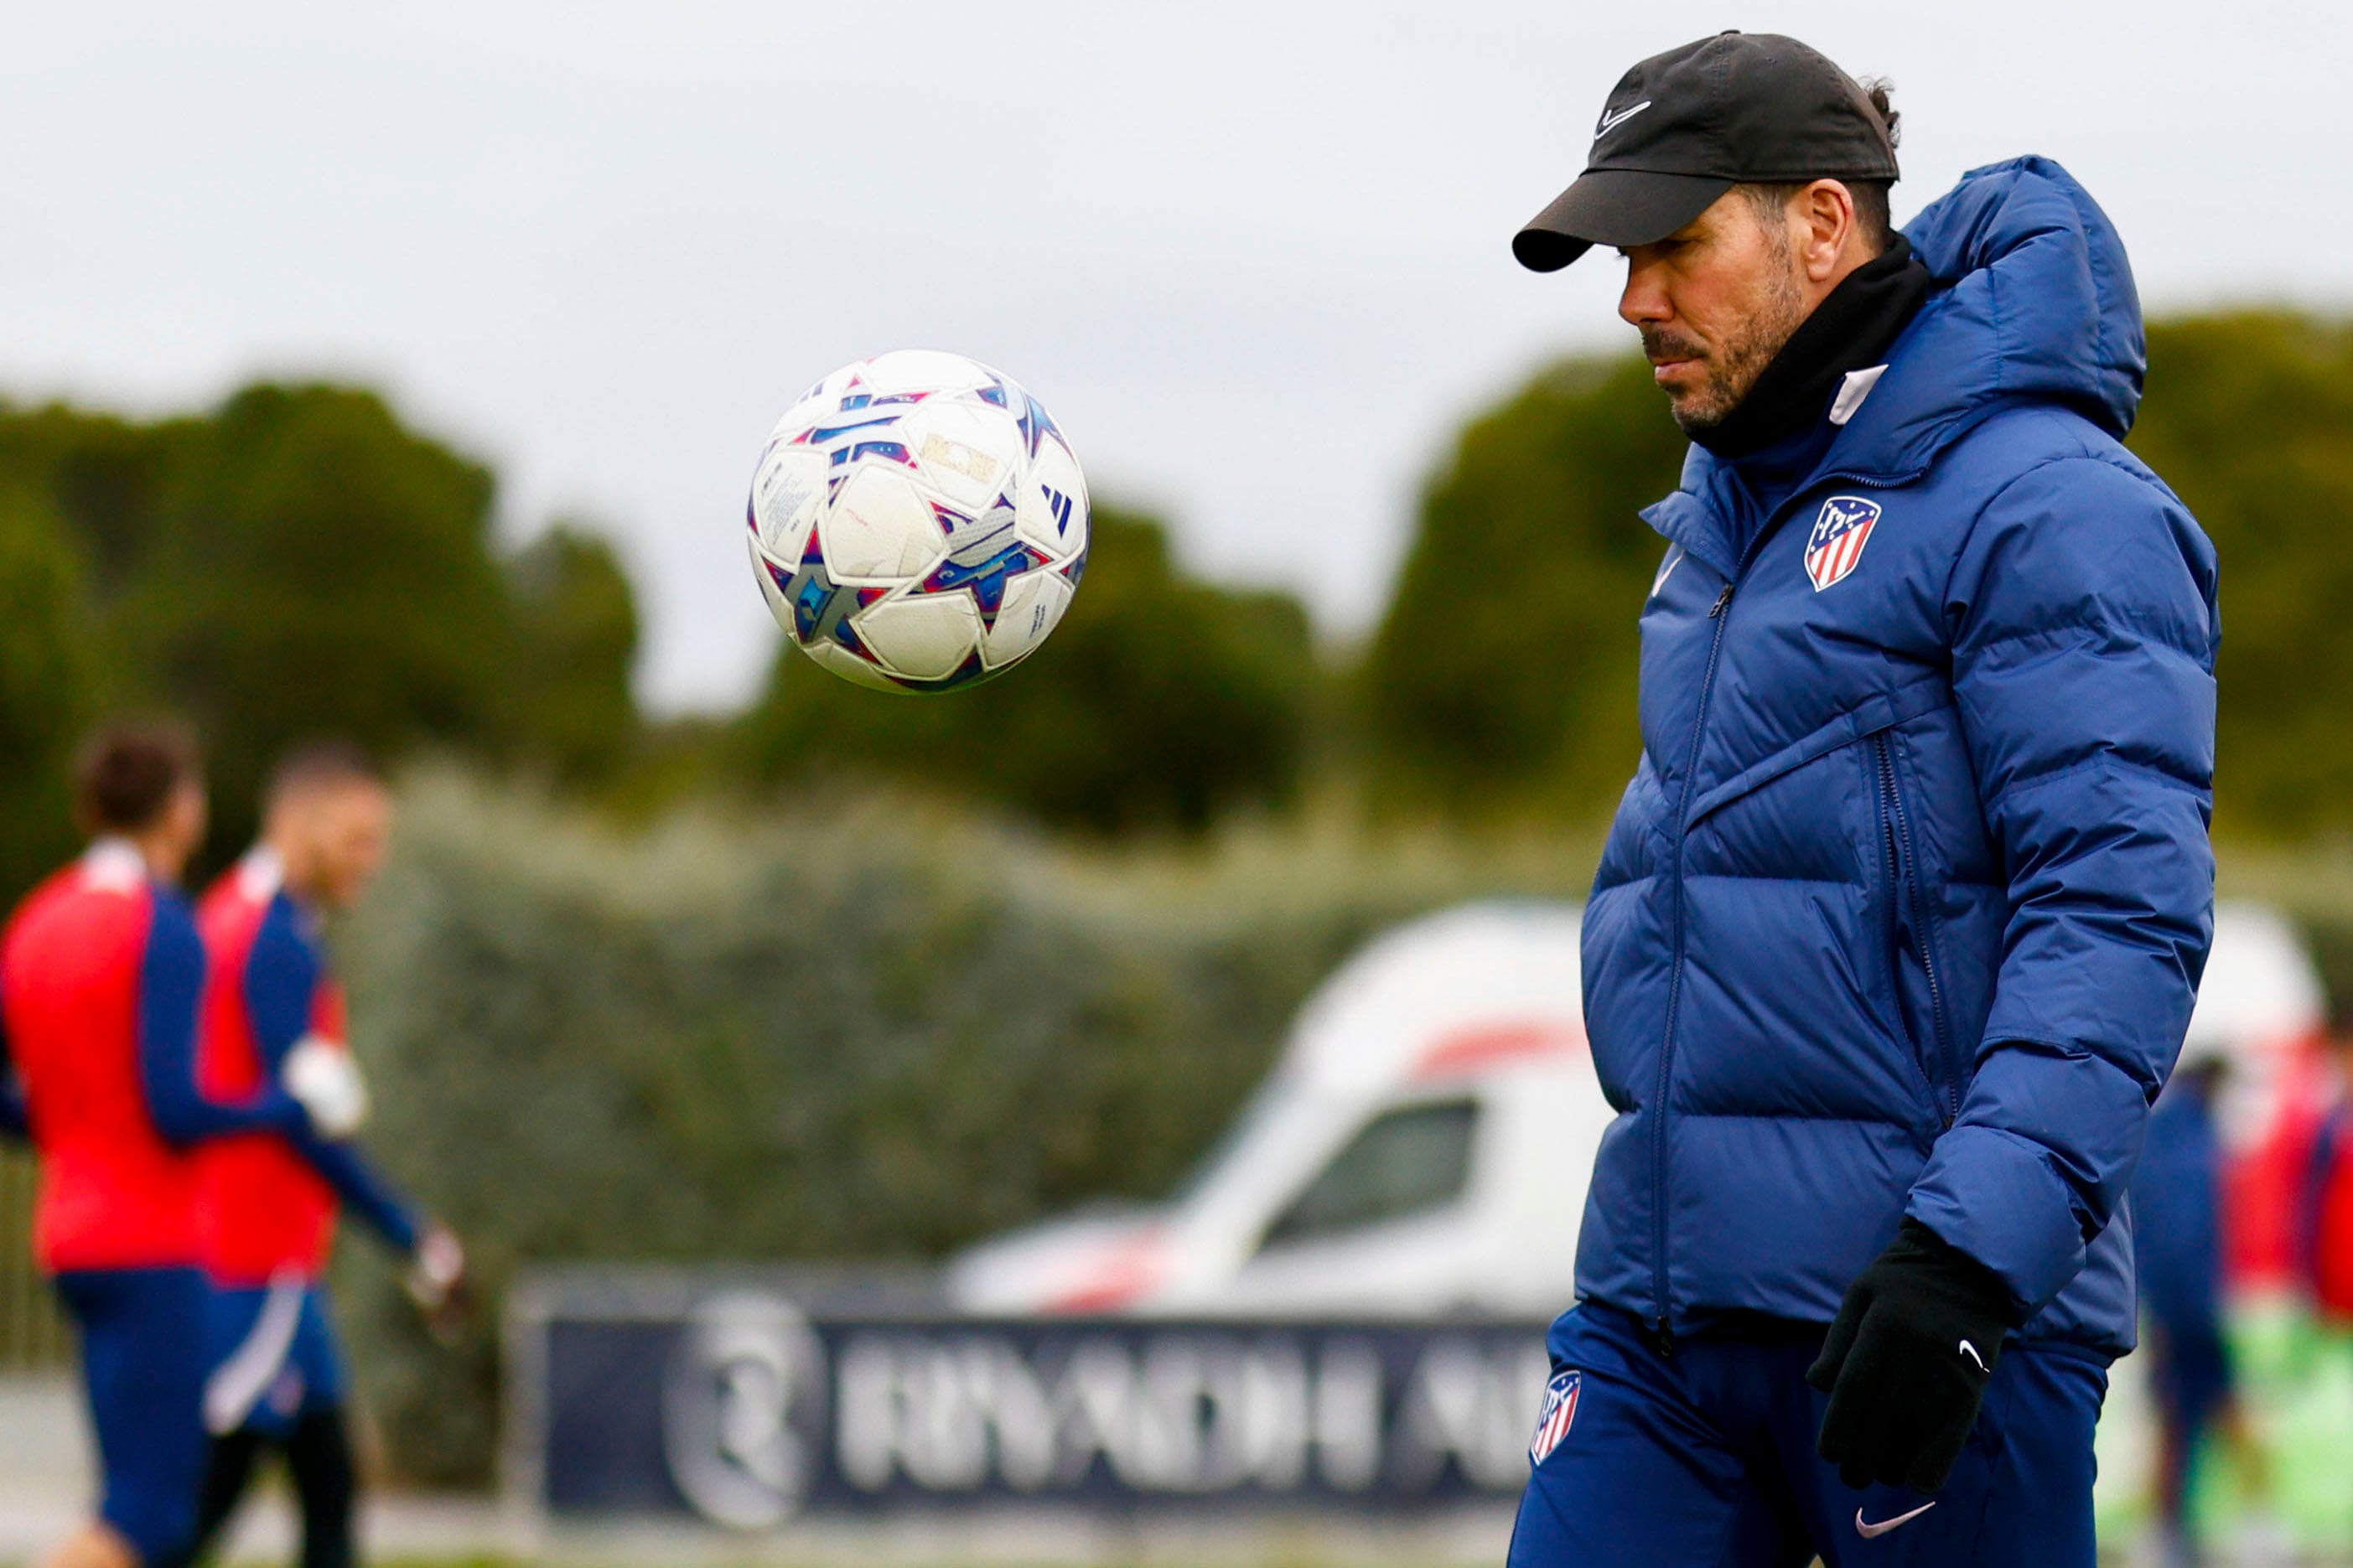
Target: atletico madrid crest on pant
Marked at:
1559, 1411
1840, 533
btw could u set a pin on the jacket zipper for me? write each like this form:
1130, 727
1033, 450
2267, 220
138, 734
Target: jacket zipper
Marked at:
1663, 1318
1891, 853
1720, 613
1905, 866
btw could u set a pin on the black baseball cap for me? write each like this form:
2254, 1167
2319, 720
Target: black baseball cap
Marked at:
1683, 128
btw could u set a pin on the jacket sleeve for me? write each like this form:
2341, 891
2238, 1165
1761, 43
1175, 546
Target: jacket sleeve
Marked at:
283, 977
367, 1189
2083, 617
171, 990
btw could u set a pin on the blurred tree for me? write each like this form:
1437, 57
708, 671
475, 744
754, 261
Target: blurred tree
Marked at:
1159, 702
317, 567
2249, 419
1501, 677
46, 664
576, 631
299, 561
104, 475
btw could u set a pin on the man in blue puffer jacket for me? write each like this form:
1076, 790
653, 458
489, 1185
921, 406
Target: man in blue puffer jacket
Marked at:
1896, 934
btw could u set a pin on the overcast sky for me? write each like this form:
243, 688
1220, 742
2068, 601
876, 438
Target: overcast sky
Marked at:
1253, 255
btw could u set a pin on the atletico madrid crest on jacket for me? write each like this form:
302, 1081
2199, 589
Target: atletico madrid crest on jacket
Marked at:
1841, 531
1560, 1413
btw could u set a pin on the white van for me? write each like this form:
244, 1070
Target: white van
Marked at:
1423, 1146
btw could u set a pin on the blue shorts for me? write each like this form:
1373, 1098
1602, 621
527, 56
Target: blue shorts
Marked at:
143, 1364
274, 1358
1706, 1458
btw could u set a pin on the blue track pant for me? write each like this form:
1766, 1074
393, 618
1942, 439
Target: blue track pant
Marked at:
1705, 1457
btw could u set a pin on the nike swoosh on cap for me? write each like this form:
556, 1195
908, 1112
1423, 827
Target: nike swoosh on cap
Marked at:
1871, 1531
1610, 121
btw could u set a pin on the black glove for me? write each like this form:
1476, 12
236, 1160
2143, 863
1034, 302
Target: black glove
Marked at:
1907, 1362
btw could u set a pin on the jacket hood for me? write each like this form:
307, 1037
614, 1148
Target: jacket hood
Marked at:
2034, 303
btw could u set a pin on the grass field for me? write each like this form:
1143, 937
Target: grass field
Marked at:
2296, 1385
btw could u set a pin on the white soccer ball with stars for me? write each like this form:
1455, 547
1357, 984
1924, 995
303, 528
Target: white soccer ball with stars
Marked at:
918, 522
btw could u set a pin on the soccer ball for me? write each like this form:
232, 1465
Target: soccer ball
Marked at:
918, 522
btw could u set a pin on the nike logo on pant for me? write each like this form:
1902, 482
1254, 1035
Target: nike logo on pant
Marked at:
1871, 1531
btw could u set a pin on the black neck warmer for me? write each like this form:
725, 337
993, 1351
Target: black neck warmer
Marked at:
1849, 330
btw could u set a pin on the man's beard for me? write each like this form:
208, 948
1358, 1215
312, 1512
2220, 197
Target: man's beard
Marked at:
1733, 369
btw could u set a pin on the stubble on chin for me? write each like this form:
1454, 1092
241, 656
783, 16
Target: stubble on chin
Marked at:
1709, 403
1733, 370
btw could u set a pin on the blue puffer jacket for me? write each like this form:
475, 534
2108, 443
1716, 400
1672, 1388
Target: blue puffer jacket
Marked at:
1905, 907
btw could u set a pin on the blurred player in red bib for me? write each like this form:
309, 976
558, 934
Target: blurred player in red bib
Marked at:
269, 1201
101, 973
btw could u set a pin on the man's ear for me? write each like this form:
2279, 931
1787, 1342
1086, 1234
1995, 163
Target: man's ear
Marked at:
1826, 223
